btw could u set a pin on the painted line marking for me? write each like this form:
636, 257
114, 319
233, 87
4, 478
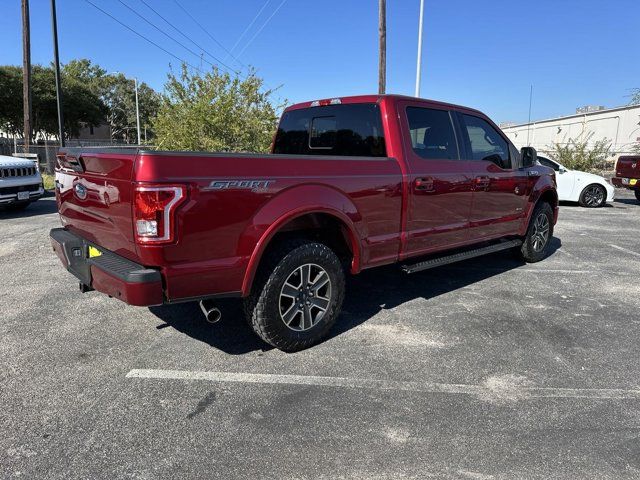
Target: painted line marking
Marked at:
622, 249
506, 391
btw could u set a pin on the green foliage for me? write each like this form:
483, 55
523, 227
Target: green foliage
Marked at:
579, 154
635, 96
117, 92
49, 181
215, 112
80, 104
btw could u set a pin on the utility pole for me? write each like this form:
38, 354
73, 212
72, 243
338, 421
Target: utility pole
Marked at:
419, 63
382, 32
56, 61
26, 74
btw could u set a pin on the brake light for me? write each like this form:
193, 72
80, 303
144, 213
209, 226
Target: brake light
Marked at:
324, 103
154, 209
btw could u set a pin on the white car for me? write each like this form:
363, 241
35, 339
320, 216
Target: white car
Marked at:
587, 189
20, 182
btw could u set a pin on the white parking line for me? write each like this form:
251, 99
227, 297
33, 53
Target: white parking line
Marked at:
503, 391
624, 250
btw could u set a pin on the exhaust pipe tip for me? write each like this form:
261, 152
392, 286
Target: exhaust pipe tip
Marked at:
211, 313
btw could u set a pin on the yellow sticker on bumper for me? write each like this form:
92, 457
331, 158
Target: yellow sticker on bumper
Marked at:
633, 181
94, 252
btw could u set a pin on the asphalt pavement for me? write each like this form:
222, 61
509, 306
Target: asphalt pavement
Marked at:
485, 369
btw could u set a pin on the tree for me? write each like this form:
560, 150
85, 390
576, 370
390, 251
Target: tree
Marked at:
215, 111
117, 92
80, 105
635, 96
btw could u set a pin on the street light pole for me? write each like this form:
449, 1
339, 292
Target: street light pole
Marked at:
135, 80
137, 111
56, 61
419, 62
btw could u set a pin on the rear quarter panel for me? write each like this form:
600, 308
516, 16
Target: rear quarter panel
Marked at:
221, 232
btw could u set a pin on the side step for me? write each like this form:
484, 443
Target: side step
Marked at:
456, 257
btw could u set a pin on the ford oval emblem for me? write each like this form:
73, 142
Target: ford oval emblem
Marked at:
81, 191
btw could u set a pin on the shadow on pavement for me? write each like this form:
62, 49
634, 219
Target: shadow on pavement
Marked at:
367, 294
44, 206
627, 201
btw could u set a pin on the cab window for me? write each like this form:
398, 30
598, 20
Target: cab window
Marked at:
431, 133
337, 130
484, 142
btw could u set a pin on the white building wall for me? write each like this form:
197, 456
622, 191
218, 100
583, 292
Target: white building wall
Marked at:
619, 125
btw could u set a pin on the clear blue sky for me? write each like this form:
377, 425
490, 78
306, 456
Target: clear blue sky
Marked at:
480, 53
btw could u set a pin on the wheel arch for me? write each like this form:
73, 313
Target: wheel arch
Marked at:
334, 220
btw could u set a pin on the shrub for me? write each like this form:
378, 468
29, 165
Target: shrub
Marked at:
579, 154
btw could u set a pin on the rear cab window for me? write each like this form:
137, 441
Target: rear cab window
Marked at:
337, 130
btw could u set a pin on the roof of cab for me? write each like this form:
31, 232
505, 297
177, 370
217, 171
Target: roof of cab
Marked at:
376, 98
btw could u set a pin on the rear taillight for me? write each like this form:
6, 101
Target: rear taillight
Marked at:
154, 209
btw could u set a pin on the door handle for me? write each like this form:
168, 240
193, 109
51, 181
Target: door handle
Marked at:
482, 182
424, 184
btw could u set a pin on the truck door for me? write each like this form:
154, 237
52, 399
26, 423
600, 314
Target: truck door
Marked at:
439, 202
500, 187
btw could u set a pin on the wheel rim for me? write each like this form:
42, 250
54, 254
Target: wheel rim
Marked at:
540, 232
593, 196
305, 297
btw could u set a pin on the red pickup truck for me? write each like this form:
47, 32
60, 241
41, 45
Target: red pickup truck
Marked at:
351, 183
628, 174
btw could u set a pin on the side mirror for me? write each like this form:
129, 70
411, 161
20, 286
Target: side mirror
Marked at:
529, 156
562, 170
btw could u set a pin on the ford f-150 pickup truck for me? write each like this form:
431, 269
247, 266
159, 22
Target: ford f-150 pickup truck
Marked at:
628, 174
350, 184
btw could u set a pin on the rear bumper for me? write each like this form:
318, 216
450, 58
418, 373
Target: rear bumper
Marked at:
108, 273
623, 182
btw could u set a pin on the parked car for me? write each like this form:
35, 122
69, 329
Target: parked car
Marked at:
351, 184
20, 182
587, 189
628, 174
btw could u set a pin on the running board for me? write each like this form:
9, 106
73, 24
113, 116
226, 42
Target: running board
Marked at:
456, 257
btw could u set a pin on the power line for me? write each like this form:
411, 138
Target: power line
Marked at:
183, 34
250, 25
176, 41
262, 27
207, 32
143, 37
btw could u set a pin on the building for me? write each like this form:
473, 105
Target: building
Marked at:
620, 125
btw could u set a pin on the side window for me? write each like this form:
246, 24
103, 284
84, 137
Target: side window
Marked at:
431, 133
485, 142
548, 163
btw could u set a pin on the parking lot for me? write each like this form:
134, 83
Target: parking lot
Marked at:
483, 369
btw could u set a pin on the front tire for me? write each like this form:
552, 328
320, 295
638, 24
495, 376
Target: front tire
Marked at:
593, 196
297, 295
637, 193
535, 245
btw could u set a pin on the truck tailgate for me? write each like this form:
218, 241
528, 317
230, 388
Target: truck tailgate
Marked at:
94, 194
628, 167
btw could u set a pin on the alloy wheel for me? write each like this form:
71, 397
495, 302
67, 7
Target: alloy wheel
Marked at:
305, 297
593, 196
540, 235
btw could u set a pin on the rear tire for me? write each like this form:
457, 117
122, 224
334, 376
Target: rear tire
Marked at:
593, 196
297, 295
637, 193
535, 244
